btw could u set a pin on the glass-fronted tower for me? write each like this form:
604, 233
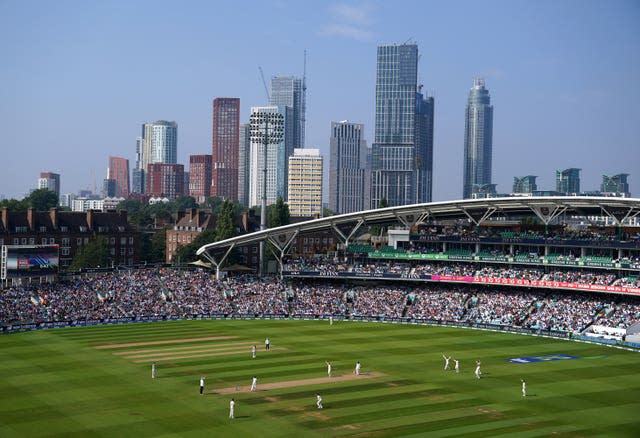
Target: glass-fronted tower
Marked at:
524, 184
568, 181
403, 144
478, 138
244, 164
616, 184
290, 91
347, 168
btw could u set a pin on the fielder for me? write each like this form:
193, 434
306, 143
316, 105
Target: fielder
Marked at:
232, 406
267, 344
446, 361
457, 365
254, 384
524, 387
329, 368
153, 370
202, 385
253, 352
357, 370
478, 372
318, 401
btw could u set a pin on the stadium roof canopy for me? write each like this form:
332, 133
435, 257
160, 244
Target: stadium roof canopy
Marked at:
476, 211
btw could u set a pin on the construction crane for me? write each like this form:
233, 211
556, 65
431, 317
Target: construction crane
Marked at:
266, 89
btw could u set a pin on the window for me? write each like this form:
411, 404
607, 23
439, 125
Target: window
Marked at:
112, 240
52, 240
16, 241
130, 250
43, 229
64, 228
112, 251
78, 241
86, 240
32, 241
123, 251
131, 240
65, 241
65, 251
123, 241
24, 240
83, 229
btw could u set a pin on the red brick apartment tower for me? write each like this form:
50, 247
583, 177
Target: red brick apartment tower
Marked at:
200, 177
165, 180
225, 146
119, 171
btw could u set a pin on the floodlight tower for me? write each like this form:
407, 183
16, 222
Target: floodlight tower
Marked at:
266, 128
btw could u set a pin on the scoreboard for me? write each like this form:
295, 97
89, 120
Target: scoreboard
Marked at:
29, 261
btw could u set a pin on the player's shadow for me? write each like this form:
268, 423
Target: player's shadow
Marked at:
243, 416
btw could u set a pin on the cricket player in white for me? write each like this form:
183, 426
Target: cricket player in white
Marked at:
254, 383
232, 406
446, 361
318, 401
329, 368
457, 365
267, 344
524, 388
153, 370
357, 370
202, 385
253, 352
478, 372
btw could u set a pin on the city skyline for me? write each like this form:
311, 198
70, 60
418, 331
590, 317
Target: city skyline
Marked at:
565, 96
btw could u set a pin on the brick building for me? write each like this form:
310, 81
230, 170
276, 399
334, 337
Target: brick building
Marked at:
188, 224
70, 231
165, 180
200, 177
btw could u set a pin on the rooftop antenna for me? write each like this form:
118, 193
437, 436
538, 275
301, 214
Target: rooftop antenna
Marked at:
266, 89
410, 38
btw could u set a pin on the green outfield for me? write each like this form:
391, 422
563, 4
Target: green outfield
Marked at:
79, 382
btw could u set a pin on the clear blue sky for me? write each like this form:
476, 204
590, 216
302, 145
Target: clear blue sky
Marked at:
78, 78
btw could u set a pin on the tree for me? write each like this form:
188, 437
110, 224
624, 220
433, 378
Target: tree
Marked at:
182, 203
42, 199
226, 221
383, 203
158, 245
278, 214
14, 204
94, 254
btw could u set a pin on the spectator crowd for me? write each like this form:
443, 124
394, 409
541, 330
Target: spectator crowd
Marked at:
182, 294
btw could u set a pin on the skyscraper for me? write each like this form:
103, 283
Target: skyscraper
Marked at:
568, 181
200, 177
50, 181
403, 146
119, 171
305, 183
224, 149
277, 159
524, 184
478, 138
616, 184
290, 91
347, 168
158, 144
165, 180
244, 163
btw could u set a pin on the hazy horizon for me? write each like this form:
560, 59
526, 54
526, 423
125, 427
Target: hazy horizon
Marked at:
79, 79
